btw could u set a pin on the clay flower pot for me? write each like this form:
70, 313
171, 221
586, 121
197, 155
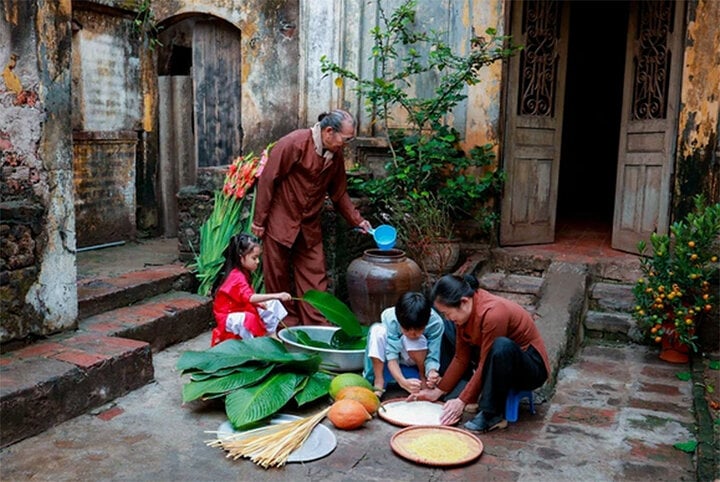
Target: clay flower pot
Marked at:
440, 256
672, 350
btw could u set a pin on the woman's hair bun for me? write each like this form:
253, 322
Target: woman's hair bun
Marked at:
472, 281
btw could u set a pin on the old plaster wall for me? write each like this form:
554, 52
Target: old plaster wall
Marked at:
37, 265
698, 152
269, 56
106, 120
340, 31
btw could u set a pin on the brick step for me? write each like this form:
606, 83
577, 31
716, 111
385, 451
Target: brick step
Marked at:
63, 376
161, 321
54, 380
98, 295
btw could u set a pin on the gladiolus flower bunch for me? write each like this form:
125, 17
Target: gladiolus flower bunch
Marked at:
230, 216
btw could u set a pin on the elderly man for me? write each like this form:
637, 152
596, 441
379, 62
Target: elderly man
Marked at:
303, 167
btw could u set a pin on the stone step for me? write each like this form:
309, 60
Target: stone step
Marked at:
161, 321
609, 312
522, 289
109, 355
612, 325
511, 283
101, 294
54, 380
611, 297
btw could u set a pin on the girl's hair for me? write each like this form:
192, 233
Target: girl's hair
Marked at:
240, 245
450, 289
335, 119
413, 310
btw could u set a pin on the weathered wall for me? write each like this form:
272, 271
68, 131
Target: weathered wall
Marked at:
340, 30
269, 55
104, 178
698, 153
37, 265
106, 117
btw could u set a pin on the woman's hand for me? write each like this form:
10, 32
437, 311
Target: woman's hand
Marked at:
284, 296
429, 394
452, 411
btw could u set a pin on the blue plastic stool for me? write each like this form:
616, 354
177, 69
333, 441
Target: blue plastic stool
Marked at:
512, 403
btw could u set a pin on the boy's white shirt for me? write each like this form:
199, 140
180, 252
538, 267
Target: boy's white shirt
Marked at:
433, 334
377, 345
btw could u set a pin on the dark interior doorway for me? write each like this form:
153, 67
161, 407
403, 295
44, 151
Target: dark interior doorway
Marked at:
591, 126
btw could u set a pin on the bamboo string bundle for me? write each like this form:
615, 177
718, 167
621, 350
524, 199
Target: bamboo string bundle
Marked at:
269, 446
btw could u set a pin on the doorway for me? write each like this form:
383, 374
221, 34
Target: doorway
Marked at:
591, 121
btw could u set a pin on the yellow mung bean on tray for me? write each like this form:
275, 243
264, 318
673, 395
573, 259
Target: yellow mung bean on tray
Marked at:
438, 447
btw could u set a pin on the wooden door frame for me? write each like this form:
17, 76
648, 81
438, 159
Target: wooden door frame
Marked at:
535, 141
636, 222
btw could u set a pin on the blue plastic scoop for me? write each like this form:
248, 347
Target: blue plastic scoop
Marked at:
385, 236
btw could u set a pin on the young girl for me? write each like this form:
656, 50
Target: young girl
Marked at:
239, 311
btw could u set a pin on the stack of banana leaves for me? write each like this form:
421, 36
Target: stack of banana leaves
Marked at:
257, 377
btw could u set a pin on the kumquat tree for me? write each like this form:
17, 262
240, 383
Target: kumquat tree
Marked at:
676, 294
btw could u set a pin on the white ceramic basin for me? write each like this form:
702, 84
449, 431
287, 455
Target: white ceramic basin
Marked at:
335, 360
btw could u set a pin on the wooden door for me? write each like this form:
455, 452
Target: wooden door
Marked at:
648, 127
534, 113
176, 154
216, 93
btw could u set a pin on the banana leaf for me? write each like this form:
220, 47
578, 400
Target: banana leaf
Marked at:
205, 361
314, 386
200, 376
235, 353
304, 339
334, 310
342, 341
247, 405
221, 385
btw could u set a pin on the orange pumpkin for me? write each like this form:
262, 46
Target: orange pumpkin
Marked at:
348, 414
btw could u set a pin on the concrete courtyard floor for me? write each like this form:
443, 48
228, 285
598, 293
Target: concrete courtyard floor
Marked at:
616, 413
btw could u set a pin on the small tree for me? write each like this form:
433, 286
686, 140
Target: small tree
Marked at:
676, 296
426, 156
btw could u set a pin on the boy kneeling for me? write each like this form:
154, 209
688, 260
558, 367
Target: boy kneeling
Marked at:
405, 345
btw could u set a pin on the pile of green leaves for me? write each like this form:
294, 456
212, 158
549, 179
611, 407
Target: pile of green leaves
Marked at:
257, 377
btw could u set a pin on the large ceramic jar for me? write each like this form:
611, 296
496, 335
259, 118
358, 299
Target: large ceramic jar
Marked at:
376, 280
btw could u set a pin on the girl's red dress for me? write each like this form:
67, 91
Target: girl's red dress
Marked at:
233, 296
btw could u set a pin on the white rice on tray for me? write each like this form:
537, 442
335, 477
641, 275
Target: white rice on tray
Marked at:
412, 413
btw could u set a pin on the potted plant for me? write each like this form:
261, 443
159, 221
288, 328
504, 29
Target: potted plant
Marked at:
677, 295
425, 229
426, 159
